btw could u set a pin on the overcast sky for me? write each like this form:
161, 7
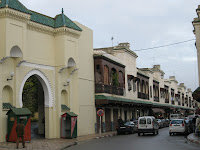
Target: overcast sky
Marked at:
142, 23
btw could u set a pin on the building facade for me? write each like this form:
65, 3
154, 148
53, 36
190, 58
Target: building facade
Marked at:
53, 50
124, 90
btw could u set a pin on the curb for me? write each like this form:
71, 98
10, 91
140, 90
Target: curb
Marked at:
108, 135
192, 140
70, 145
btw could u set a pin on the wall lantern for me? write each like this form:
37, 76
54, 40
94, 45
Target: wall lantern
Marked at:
11, 76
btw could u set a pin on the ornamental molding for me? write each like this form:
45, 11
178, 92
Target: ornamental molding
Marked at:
49, 89
51, 31
67, 31
40, 28
10, 13
39, 66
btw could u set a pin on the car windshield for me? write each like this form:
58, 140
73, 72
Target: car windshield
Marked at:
143, 121
177, 122
127, 123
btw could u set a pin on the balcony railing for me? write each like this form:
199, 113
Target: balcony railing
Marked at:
166, 100
179, 103
101, 88
173, 102
143, 95
156, 99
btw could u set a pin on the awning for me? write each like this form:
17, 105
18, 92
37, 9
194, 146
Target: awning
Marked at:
182, 111
158, 110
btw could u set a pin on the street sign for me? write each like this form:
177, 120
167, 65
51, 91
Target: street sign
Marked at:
100, 112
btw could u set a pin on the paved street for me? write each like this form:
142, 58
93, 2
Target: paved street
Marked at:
147, 142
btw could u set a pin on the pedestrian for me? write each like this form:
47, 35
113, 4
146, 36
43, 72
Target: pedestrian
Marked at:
120, 121
194, 123
20, 133
198, 125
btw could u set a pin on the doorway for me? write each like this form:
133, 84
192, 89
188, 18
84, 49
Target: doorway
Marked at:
33, 99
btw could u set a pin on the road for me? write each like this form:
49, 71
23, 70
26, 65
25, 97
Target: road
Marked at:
134, 142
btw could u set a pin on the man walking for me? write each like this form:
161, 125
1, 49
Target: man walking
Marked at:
20, 133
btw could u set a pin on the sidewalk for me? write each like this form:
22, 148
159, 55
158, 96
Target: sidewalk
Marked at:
54, 144
193, 138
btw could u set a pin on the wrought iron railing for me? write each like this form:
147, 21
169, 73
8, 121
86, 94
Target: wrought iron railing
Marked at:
166, 100
101, 88
156, 99
143, 95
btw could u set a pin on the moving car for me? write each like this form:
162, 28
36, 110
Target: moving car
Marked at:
128, 127
177, 126
147, 124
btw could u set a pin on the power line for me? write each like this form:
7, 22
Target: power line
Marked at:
164, 45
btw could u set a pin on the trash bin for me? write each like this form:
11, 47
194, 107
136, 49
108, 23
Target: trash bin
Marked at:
14, 116
69, 125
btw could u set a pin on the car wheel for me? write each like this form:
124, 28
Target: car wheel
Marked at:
138, 134
157, 132
154, 133
143, 133
170, 134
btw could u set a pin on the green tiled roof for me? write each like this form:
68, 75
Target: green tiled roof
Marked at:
20, 111
6, 106
71, 114
59, 21
62, 20
64, 107
42, 19
121, 99
14, 4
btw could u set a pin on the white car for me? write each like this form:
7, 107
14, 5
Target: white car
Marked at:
177, 126
147, 124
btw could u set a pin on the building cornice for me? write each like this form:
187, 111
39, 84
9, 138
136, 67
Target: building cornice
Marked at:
10, 13
48, 30
40, 28
67, 31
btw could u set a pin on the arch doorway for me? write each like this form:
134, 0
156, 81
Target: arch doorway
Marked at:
33, 99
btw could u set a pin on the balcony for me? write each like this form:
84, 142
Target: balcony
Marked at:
100, 88
156, 99
143, 95
173, 102
166, 100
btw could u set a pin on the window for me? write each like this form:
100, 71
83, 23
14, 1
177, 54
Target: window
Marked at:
143, 121
151, 91
106, 75
148, 121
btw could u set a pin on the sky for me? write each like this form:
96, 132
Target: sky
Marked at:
143, 24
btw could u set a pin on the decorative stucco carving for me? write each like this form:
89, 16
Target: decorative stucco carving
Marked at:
6, 12
44, 80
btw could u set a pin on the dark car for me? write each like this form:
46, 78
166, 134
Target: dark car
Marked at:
128, 127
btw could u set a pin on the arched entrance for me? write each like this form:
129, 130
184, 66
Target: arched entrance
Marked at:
35, 94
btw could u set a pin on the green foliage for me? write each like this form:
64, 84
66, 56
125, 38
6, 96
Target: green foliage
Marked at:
30, 94
115, 80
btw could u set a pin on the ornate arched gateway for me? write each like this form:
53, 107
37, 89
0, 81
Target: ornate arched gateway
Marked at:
48, 99
45, 99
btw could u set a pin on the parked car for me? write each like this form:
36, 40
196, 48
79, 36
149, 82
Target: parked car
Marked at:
136, 123
178, 126
160, 123
164, 123
128, 127
147, 124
